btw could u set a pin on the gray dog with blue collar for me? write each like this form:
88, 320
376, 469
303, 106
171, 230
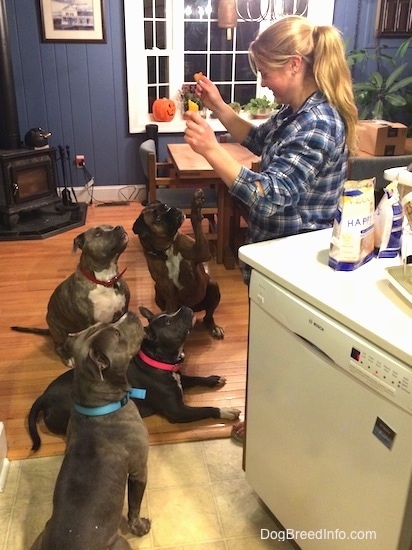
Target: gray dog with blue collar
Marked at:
107, 445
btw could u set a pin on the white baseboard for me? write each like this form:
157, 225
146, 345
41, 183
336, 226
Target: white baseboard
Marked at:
4, 461
105, 193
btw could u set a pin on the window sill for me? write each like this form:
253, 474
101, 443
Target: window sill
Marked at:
177, 125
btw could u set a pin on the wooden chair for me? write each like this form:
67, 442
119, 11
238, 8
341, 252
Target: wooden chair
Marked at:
163, 186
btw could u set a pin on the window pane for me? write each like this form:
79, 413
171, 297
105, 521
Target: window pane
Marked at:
249, 9
151, 70
160, 9
151, 97
163, 69
221, 68
164, 91
195, 36
218, 40
194, 63
148, 35
161, 34
244, 93
242, 68
196, 9
245, 33
298, 7
148, 8
225, 91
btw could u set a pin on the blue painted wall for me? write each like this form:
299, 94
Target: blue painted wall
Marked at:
78, 91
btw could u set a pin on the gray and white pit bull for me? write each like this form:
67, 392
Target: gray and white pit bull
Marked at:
107, 445
95, 292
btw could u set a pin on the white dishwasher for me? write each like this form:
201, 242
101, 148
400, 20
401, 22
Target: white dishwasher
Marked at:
329, 397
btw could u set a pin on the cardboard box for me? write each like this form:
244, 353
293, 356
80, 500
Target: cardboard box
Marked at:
382, 138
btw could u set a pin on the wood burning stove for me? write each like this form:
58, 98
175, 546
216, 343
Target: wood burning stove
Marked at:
27, 176
27, 181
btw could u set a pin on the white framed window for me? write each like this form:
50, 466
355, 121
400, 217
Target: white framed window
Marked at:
166, 45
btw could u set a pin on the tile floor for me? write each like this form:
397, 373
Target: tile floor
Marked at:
197, 498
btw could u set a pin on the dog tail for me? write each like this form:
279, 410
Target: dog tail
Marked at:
34, 330
35, 410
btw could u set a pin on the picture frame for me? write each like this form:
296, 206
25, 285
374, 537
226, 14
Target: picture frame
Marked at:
72, 21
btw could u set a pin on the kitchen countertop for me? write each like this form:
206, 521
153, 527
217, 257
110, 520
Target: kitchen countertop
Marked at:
363, 300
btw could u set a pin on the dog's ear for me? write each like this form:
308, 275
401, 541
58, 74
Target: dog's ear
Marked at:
140, 227
99, 359
78, 242
147, 314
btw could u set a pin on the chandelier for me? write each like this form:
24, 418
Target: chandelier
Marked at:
229, 11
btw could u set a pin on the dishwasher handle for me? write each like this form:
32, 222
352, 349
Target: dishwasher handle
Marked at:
314, 346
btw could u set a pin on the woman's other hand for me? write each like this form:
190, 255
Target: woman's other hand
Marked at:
198, 134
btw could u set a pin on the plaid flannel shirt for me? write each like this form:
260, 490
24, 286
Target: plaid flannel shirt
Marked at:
303, 168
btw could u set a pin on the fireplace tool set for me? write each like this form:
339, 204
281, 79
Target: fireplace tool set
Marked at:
67, 177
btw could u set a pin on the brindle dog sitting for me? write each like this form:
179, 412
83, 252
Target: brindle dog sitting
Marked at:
175, 260
94, 292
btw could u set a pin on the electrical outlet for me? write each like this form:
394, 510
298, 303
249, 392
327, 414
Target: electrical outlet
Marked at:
79, 161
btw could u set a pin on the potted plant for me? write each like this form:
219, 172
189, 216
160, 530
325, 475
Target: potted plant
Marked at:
235, 106
260, 107
385, 91
186, 93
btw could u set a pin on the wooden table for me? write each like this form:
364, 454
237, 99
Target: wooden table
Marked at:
191, 165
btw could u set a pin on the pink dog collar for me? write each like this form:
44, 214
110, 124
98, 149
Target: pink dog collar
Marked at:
157, 364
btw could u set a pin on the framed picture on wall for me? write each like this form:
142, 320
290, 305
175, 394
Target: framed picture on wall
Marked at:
72, 21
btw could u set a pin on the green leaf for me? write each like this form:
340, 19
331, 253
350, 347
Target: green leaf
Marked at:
376, 79
401, 84
364, 87
396, 100
403, 48
377, 111
393, 77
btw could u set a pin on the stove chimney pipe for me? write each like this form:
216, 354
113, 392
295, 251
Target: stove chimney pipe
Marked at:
9, 123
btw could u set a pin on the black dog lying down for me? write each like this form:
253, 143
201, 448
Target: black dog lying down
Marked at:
155, 368
107, 445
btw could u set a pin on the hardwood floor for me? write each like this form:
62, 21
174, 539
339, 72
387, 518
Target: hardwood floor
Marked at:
30, 270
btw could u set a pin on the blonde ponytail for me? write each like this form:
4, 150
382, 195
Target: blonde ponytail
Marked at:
332, 75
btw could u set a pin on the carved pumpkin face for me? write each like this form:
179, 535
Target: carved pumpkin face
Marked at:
164, 110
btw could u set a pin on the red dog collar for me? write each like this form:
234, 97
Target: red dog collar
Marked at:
157, 364
93, 279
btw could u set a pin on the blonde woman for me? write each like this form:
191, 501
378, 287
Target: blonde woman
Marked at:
304, 148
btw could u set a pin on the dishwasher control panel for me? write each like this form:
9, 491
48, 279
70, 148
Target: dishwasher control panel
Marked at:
343, 347
380, 374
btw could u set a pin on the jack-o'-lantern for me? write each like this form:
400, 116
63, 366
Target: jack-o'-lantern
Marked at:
164, 110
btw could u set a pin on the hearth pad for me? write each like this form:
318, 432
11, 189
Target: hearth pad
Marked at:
45, 222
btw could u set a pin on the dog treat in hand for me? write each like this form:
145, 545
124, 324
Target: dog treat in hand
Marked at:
192, 106
198, 76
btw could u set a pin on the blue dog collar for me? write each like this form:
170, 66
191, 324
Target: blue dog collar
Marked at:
136, 393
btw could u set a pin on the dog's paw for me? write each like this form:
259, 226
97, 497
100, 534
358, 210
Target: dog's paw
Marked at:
229, 413
217, 332
140, 526
216, 381
197, 204
198, 198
